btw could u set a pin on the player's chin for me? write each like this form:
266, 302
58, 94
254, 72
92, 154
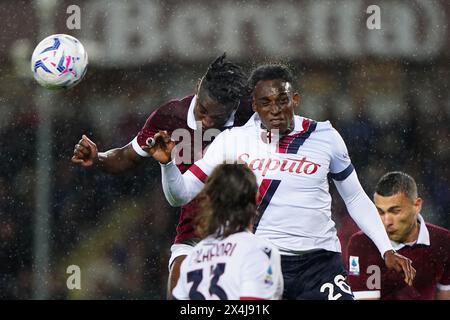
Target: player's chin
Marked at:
277, 123
393, 236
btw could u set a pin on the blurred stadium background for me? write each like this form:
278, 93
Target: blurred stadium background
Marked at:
386, 91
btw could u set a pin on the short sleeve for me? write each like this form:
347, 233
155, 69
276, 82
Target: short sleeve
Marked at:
261, 276
149, 129
340, 166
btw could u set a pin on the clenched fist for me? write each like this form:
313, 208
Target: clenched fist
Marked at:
85, 152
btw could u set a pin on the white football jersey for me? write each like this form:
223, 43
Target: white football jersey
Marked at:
241, 265
292, 172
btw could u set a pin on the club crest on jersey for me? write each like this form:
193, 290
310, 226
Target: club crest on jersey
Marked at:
353, 266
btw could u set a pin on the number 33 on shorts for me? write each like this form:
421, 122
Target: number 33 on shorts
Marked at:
332, 289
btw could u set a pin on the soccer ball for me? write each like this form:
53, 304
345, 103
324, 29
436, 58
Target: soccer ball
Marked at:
59, 62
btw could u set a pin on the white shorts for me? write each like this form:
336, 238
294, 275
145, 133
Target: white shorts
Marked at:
179, 249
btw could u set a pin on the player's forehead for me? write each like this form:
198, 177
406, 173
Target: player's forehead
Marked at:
396, 200
205, 101
271, 88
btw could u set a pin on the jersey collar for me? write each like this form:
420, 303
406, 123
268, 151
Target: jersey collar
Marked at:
191, 117
423, 238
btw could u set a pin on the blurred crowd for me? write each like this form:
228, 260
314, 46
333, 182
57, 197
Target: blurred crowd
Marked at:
393, 115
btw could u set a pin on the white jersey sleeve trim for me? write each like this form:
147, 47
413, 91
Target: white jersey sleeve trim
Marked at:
178, 188
443, 287
360, 295
138, 148
363, 211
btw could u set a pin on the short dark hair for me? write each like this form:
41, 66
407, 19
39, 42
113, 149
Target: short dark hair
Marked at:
270, 72
228, 201
397, 182
225, 82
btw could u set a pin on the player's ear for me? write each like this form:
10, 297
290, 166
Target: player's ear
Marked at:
418, 205
296, 98
254, 104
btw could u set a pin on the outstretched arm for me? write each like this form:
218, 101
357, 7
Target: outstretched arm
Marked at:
115, 160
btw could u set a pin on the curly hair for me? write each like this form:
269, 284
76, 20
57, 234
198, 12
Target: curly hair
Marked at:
225, 82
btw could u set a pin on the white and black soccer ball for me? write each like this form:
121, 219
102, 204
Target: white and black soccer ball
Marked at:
59, 62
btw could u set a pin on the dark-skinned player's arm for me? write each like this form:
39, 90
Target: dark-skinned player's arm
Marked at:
114, 161
122, 159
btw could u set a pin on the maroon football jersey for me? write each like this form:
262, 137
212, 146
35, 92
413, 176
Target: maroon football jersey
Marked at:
432, 263
171, 116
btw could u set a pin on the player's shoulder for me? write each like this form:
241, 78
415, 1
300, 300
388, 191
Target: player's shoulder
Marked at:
251, 122
175, 108
438, 234
437, 230
322, 126
226, 135
316, 127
